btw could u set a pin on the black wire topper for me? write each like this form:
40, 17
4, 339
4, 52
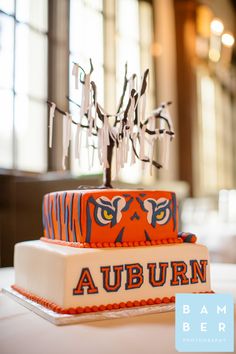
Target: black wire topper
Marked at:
128, 134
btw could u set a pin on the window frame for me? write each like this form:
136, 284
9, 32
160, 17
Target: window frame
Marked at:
13, 90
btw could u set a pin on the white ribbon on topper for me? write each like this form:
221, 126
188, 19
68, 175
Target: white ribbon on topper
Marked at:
166, 137
51, 118
142, 141
101, 152
133, 157
151, 126
91, 119
116, 159
141, 103
122, 133
85, 108
75, 73
93, 153
156, 113
67, 121
126, 146
106, 139
166, 114
64, 135
86, 92
77, 141
166, 149
131, 115
99, 136
85, 97
143, 107
121, 154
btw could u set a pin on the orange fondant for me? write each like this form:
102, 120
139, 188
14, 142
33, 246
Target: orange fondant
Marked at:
150, 301
72, 311
110, 216
87, 309
122, 305
109, 244
115, 306
79, 310
157, 301
102, 308
143, 302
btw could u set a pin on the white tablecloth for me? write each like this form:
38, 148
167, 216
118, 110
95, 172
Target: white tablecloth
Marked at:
23, 332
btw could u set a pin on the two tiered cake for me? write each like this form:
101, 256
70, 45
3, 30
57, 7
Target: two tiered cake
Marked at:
110, 249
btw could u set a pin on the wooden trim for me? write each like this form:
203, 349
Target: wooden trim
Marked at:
58, 76
185, 19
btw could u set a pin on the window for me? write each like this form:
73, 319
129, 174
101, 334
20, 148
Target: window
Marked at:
133, 46
99, 30
86, 41
216, 143
23, 85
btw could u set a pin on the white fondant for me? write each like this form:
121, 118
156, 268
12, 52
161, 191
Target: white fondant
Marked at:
52, 271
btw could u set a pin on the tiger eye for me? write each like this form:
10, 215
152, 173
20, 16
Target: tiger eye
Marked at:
160, 215
107, 215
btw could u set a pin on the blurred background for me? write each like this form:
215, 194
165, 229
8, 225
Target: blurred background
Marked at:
189, 47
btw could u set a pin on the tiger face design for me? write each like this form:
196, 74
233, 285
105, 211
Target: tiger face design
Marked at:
111, 216
131, 217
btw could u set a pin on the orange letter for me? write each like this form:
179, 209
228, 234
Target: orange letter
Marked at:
117, 278
134, 276
179, 270
152, 270
85, 280
198, 272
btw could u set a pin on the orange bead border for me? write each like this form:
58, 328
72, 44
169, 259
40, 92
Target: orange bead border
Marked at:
88, 309
113, 244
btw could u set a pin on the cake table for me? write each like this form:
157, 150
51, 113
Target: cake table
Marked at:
23, 332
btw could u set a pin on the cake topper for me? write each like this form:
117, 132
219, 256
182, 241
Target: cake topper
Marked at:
128, 134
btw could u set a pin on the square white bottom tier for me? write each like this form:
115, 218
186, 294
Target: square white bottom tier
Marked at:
72, 277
